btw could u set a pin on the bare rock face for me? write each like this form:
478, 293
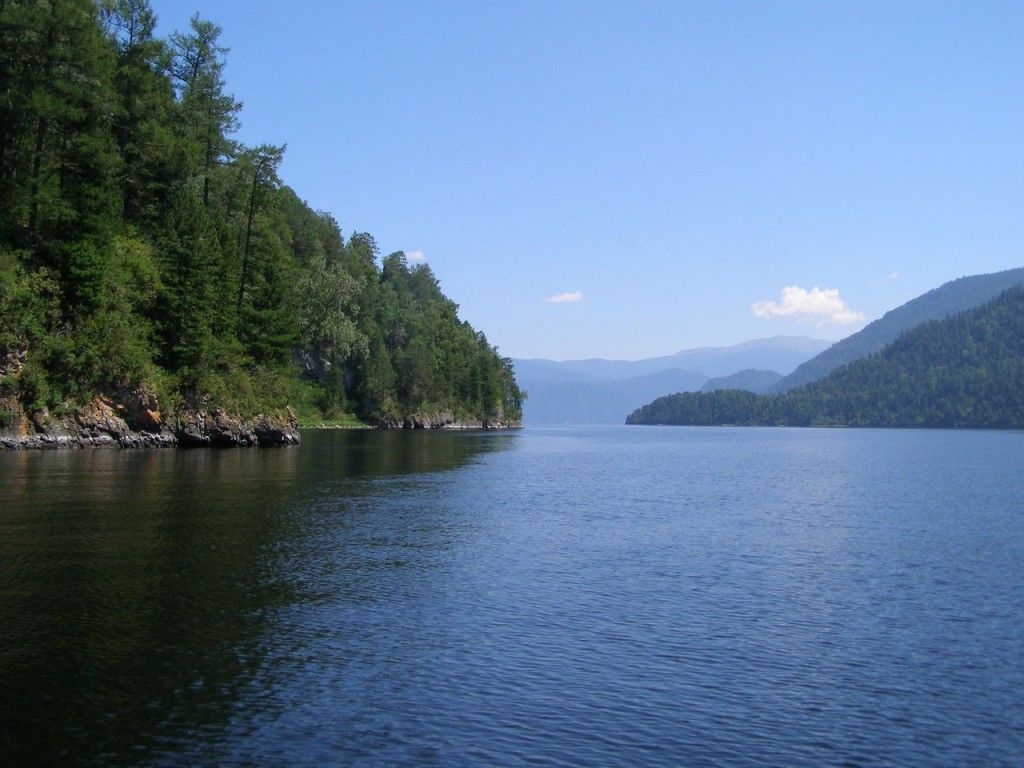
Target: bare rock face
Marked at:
190, 429
134, 419
141, 410
281, 430
219, 428
443, 420
99, 419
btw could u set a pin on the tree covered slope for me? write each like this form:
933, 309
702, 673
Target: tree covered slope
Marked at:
948, 299
964, 371
143, 248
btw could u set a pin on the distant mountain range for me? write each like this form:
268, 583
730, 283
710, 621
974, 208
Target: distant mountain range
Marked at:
752, 380
948, 299
598, 391
600, 401
966, 370
779, 353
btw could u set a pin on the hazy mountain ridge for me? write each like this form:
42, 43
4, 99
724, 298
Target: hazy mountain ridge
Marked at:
948, 299
602, 401
776, 353
597, 391
751, 380
966, 370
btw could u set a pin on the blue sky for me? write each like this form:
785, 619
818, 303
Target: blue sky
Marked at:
673, 166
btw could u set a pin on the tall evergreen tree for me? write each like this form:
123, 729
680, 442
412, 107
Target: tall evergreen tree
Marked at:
140, 246
208, 115
142, 123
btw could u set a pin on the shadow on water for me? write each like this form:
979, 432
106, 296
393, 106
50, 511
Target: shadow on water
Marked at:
138, 588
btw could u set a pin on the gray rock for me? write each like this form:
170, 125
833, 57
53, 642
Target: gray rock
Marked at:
133, 420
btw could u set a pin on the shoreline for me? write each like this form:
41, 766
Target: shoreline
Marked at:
136, 421
202, 430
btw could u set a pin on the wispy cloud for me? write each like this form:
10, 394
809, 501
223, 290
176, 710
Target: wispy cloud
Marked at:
894, 275
822, 305
415, 257
569, 297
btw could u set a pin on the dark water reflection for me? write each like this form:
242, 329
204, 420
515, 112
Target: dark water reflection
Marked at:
139, 590
606, 596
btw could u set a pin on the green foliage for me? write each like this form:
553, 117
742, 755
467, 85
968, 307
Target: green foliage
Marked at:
29, 304
141, 245
964, 371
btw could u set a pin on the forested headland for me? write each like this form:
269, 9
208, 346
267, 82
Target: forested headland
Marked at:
964, 371
147, 256
948, 299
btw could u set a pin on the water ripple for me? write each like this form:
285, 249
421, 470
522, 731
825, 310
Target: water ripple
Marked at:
601, 597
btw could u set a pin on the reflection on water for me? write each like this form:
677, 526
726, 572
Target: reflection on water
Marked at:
591, 597
138, 589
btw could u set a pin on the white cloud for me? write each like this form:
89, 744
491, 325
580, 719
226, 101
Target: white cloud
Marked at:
894, 275
822, 305
415, 257
569, 297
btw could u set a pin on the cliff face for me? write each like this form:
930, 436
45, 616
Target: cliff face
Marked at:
134, 419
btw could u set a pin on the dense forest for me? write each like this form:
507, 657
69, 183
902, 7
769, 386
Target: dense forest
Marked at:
143, 247
964, 371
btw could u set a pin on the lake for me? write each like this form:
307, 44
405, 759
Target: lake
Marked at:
606, 596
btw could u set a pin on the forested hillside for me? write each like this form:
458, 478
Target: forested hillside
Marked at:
948, 299
964, 371
143, 248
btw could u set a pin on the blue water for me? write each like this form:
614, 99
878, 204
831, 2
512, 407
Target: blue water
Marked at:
616, 596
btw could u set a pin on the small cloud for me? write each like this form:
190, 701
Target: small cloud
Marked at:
894, 275
415, 257
822, 305
569, 297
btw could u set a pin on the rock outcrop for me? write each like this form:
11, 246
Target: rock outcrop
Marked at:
133, 419
443, 420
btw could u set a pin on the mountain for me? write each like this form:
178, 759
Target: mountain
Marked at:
966, 370
779, 353
597, 391
534, 371
600, 401
948, 299
751, 380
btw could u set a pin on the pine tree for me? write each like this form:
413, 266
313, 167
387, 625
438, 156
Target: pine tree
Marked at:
207, 115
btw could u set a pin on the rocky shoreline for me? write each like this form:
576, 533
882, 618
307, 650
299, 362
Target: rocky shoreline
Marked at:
134, 420
445, 420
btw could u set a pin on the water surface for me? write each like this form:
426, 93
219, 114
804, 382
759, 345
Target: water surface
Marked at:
599, 596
